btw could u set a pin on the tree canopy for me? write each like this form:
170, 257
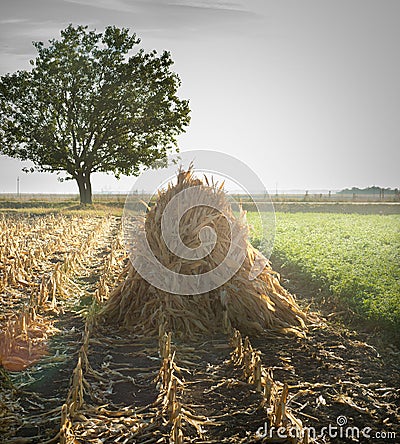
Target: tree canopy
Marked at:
92, 104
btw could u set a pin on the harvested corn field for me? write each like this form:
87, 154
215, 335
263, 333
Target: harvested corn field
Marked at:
71, 374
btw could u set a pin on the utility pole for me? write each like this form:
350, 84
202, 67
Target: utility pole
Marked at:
18, 186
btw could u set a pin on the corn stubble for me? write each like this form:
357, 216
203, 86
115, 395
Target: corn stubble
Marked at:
24, 335
250, 306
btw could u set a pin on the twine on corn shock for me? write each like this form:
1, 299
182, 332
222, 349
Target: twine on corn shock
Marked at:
249, 305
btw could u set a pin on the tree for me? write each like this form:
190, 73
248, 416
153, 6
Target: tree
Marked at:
91, 104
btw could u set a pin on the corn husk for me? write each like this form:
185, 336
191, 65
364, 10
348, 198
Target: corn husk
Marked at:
248, 305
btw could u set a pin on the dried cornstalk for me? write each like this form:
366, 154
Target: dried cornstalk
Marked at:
23, 340
249, 305
274, 396
75, 398
66, 432
176, 436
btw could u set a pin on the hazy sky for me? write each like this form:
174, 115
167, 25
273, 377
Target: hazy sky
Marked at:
306, 93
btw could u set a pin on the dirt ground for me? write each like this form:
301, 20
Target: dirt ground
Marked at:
339, 377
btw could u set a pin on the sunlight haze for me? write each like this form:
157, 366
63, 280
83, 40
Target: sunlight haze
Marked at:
306, 93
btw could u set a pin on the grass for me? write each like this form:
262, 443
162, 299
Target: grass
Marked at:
356, 257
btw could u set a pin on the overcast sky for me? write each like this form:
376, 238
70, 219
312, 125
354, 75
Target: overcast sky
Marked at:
306, 93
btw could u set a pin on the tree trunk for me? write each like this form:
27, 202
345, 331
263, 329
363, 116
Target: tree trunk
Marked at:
88, 187
85, 188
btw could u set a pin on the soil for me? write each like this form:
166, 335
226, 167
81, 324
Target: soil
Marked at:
341, 372
332, 373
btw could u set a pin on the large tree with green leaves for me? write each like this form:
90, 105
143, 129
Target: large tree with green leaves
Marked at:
92, 102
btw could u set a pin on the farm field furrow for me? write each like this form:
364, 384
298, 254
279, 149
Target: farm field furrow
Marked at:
356, 257
134, 390
34, 397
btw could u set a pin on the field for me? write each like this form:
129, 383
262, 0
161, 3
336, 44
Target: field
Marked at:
67, 377
355, 257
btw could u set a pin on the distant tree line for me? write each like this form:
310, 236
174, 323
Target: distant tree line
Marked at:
370, 190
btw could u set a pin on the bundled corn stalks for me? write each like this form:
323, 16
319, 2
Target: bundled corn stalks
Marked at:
248, 305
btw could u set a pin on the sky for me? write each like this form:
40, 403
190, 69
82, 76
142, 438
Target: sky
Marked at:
304, 92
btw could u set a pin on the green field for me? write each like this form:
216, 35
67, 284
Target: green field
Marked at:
356, 257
